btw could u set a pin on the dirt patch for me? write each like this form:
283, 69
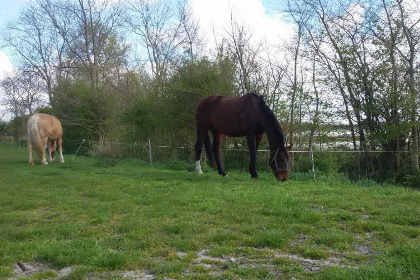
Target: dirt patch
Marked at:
307, 264
363, 249
137, 275
316, 265
25, 270
215, 265
21, 270
203, 255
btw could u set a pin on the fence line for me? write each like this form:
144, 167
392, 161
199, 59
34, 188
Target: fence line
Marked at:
355, 163
228, 149
243, 150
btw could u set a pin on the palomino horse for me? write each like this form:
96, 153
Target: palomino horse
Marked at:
43, 129
246, 116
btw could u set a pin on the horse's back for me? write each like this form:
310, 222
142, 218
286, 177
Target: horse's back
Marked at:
231, 116
47, 125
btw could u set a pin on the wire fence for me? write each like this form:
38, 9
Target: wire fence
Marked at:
380, 165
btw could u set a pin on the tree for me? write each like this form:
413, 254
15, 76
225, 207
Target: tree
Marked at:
35, 44
410, 24
22, 93
164, 29
88, 29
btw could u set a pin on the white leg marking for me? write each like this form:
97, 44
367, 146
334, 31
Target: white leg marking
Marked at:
44, 160
198, 167
60, 147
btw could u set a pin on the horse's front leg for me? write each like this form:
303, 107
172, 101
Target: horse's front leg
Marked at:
252, 147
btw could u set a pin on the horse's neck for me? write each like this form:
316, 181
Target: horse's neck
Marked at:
274, 139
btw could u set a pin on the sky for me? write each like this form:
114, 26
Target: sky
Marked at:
260, 16
9, 9
213, 16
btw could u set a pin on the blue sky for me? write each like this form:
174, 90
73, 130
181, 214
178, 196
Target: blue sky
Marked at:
9, 9
260, 17
212, 14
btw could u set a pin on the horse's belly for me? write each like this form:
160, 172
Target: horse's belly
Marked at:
230, 130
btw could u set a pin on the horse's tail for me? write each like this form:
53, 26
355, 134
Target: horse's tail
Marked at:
34, 137
210, 156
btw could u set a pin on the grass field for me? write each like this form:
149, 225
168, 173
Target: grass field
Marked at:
96, 218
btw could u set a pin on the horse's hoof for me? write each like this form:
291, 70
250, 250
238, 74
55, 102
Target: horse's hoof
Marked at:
31, 163
44, 163
254, 177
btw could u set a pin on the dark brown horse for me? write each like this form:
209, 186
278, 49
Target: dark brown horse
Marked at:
240, 116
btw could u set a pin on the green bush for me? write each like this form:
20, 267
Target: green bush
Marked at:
327, 163
412, 181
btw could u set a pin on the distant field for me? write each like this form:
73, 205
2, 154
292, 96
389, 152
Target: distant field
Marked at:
96, 218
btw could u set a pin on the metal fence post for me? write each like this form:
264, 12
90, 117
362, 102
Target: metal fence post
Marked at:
150, 152
313, 163
79, 148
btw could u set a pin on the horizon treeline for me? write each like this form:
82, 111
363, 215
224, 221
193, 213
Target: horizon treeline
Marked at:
134, 70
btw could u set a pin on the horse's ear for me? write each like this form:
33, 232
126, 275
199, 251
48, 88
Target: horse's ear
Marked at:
290, 147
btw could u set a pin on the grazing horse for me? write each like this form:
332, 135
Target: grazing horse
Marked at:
247, 116
43, 129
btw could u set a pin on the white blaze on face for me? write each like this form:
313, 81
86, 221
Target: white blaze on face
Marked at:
198, 167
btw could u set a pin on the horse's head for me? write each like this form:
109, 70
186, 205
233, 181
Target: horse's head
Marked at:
279, 162
53, 148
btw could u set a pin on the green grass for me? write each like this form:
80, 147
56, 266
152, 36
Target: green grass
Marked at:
106, 217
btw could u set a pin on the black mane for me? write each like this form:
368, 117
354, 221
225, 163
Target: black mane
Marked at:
271, 118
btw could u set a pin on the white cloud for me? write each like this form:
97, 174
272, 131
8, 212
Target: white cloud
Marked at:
6, 66
215, 16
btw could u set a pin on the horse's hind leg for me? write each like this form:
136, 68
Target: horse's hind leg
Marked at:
217, 144
258, 139
44, 142
201, 136
31, 160
210, 155
50, 158
60, 147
